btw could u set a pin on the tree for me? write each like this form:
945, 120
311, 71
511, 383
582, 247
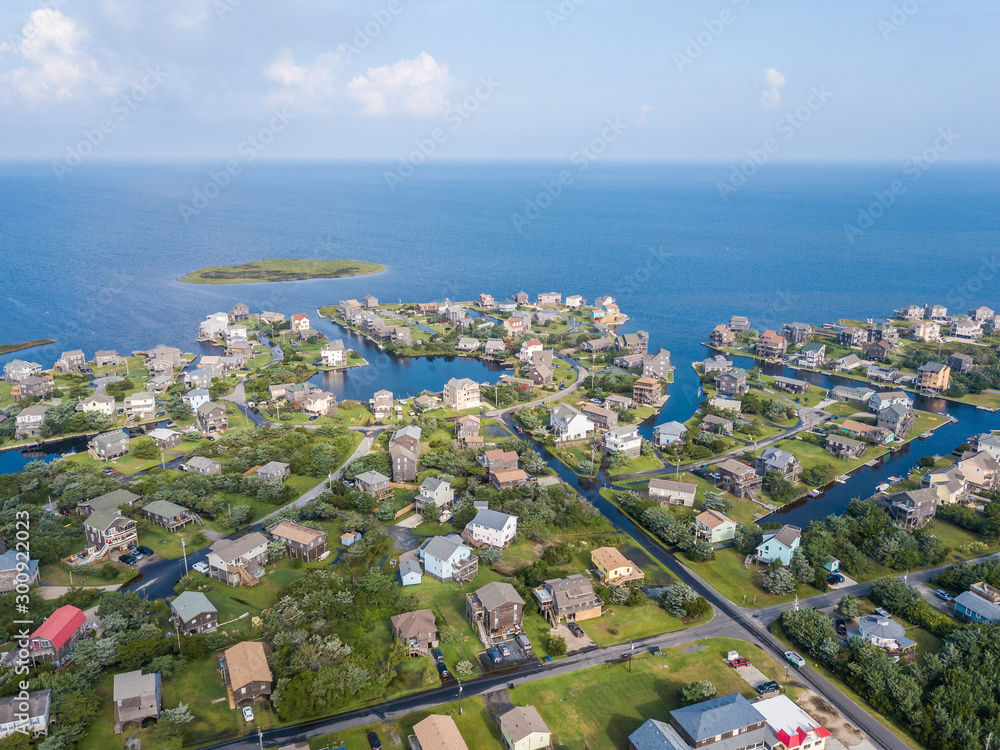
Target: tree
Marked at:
696, 692
240, 515
779, 581
848, 607
179, 715
675, 598
557, 645
145, 449
275, 550
618, 459
716, 501
801, 568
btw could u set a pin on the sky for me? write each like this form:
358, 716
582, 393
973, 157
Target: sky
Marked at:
668, 80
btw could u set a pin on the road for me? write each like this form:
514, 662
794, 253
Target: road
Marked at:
581, 376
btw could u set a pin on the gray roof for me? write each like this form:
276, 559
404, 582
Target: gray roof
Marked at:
9, 561
931, 367
717, 716
164, 508
672, 486
108, 438
655, 735
231, 549
498, 593
790, 381
670, 428
881, 627
441, 548
372, 478
190, 604
522, 722
786, 535
849, 442
491, 519
408, 565
431, 484
201, 462
776, 457
272, 467
110, 500
975, 603
135, 684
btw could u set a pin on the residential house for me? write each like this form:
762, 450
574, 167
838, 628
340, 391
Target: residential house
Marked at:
935, 312
883, 330
714, 527
716, 424
211, 417
882, 373
568, 599
109, 501
544, 317
960, 363
528, 348
240, 311
17, 569
625, 439
487, 301
657, 365
613, 567
726, 404
718, 363
409, 569
722, 337
498, 459
32, 387
349, 538
732, 381
136, 698
436, 492
647, 391
845, 448
466, 344
107, 358
987, 442
897, 419
595, 346
883, 399
170, 353
371, 301
981, 313
300, 322
107, 531
507, 305
318, 403
813, 355
792, 727
550, 299
637, 343
981, 604
575, 302
139, 406
853, 395
524, 729
381, 405
301, 542
605, 419
196, 397
404, 453
911, 313
729, 722
192, 613
797, 333
494, 348
516, 326
771, 345
170, 516
926, 330
852, 338
981, 470
272, 317
933, 377
100, 404
491, 528
570, 424
461, 394
108, 445
436, 732
668, 433
540, 374
375, 484
877, 351
71, 361
495, 610
27, 715
164, 438
949, 483
629, 361
739, 323
55, 638
790, 385
203, 465
246, 672
198, 378
865, 431
417, 630
18, 369
447, 559
349, 308
213, 327
159, 384
333, 354
912, 509
466, 427
884, 633
273, 471
775, 459
779, 545
738, 478
618, 402
969, 330
238, 561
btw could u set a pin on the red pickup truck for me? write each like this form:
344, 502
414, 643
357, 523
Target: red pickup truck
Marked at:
740, 662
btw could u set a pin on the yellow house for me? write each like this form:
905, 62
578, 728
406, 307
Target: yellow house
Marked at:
933, 377
613, 567
523, 729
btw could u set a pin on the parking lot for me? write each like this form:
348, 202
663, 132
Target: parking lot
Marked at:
516, 658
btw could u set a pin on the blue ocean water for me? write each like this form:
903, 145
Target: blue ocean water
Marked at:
92, 261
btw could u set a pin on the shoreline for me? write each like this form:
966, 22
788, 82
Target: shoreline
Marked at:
274, 270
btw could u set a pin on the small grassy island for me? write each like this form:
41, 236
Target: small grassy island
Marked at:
8, 348
281, 269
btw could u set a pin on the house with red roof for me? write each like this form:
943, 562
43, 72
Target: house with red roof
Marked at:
54, 639
792, 726
300, 322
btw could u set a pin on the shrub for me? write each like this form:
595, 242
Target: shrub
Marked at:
557, 645
696, 692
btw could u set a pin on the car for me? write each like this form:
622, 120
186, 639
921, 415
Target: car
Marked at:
201, 567
835, 578
795, 659
841, 626
109, 471
942, 594
494, 655
436, 653
248, 714
136, 554
145, 550
767, 687
64, 512
374, 742
575, 629
443, 671
161, 414
740, 662
881, 612
314, 417
595, 400
128, 559
504, 650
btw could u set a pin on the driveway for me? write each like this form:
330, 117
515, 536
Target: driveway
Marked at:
573, 643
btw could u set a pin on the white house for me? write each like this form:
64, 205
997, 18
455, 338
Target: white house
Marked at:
140, 405
528, 348
334, 354
880, 401
102, 404
27, 713
569, 424
669, 433
409, 571
434, 491
575, 302
443, 556
491, 528
196, 397
672, 493
779, 545
714, 527
625, 439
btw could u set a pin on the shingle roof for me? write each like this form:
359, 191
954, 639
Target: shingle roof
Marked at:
522, 722
190, 604
247, 663
491, 519
498, 593
717, 716
441, 548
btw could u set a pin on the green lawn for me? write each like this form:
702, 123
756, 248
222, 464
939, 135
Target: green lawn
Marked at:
281, 269
642, 463
168, 543
58, 574
955, 538
233, 601
727, 575
620, 624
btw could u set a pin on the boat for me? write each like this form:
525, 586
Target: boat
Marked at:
882, 487
814, 493
70, 452
986, 408
894, 480
925, 435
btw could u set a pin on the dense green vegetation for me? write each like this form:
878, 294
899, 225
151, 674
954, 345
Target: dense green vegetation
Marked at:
281, 269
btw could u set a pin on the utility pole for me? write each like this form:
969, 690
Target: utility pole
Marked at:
184, 553
460, 699
260, 738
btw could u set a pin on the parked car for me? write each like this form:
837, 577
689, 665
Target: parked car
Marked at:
835, 578
942, 594
201, 567
795, 659
127, 559
504, 650
841, 626
575, 629
443, 671
374, 742
494, 655
64, 512
314, 417
767, 687
145, 550
248, 714
881, 612
436, 653
108, 471
740, 662
161, 414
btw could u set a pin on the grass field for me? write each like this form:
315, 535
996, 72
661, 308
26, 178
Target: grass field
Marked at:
8, 348
281, 269
727, 575
642, 463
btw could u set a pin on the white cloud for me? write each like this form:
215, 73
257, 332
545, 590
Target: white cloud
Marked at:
308, 85
54, 61
416, 88
774, 81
